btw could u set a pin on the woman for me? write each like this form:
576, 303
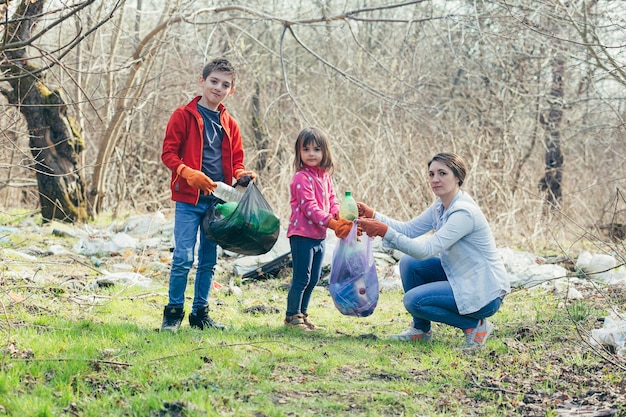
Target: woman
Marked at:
455, 276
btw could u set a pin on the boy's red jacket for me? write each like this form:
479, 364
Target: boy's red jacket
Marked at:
183, 144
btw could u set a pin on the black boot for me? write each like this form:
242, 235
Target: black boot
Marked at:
201, 320
172, 318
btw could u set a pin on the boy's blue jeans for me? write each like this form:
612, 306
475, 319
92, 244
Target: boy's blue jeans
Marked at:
187, 222
428, 296
307, 256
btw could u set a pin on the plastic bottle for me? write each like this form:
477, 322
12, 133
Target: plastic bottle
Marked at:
348, 209
227, 208
227, 193
268, 222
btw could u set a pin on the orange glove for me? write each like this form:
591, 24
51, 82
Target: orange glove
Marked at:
365, 210
372, 227
198, 179
341, 227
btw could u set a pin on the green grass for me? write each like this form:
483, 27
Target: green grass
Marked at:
65, 355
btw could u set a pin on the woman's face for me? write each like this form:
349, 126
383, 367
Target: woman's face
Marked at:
442, 179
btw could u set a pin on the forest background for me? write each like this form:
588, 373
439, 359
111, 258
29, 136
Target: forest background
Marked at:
530, 93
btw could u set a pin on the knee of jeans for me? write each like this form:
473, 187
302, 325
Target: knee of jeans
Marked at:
183, 260
409, 303
184, 256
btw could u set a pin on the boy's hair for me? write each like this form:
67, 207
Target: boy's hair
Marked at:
454, 162
221, 65
313, 135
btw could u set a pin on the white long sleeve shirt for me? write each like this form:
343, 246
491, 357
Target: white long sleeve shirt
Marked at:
465, 244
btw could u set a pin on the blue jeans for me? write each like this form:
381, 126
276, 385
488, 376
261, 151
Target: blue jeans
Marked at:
307, 256
428, 296
187, 222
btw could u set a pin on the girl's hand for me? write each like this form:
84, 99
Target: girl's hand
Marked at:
341, 227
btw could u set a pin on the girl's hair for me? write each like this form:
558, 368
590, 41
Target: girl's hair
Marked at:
317, 137
454, 162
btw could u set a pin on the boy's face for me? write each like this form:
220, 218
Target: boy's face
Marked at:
215, 88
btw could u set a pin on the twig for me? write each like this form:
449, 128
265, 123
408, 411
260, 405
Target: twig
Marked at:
70, 360
226, 345
493, 388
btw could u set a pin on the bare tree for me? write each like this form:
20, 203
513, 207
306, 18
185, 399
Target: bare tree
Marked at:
55, 140
391, 84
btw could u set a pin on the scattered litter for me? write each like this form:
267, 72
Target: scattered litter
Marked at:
524, 271
122, 267
10, 253
104, 243
59, 250
130, 278
613, 333
62, 233
601, 267
143, 225
6, 231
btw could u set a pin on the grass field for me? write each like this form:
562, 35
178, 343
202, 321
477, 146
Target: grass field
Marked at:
70, 352
73, 348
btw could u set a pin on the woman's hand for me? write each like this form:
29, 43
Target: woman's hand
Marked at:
365, 210
372, 227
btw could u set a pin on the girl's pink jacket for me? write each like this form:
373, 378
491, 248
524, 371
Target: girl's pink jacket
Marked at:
313, 203
183, 144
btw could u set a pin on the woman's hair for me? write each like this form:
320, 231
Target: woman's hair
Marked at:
454, 162
317, 137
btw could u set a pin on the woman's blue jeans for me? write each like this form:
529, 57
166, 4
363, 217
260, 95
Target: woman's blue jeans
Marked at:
428, 296
187, 222
307, 256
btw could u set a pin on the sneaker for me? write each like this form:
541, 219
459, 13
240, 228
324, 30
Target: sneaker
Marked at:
413, 335
172, 318
310, 324
297, 321
201, 320
477, 336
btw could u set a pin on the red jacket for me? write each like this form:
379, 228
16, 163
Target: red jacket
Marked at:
183, 144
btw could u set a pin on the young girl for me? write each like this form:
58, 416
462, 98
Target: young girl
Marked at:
313, 210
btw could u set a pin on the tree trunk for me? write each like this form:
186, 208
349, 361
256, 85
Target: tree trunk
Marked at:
553, 176
55, 142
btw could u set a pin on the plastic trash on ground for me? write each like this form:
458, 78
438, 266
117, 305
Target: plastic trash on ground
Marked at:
613, 333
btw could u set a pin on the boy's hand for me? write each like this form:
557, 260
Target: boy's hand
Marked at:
365, 210
373, 227
198, 179
242, 173
341, 227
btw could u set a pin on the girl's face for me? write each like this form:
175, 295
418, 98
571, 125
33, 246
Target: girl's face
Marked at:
311, 154
442, 180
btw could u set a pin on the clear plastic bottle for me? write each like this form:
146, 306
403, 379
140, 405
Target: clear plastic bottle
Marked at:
227, 193
348, 209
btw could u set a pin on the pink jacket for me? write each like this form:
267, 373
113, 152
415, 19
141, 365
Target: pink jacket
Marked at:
183, 145
313, 203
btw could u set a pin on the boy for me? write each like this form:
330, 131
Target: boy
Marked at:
202, 145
